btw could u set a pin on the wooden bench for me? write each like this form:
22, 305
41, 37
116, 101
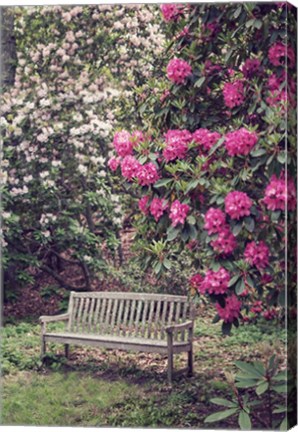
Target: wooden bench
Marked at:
126, 321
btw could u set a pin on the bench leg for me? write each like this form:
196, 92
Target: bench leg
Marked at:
43, 349
66, 348
170, 357
190, 362
170, 368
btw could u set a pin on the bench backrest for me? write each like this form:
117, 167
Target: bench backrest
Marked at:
127, 314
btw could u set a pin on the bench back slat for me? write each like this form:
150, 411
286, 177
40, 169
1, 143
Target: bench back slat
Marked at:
127, 314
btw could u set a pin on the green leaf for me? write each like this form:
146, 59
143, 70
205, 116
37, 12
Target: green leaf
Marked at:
234, 280
250, 23
280, 410
167, 264
162, 182
220, 415
259, 152
224, 402
258, 24
191, 220
237, 228
192, 185
247, 367
281, 157
260, 367
172, 233
240, 287
281, 388
262, 388
238, 12
200, 82
250, 224
244, 421
281, 376
245, 384
284, 425
216, 146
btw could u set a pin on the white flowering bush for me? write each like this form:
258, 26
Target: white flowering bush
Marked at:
75, 66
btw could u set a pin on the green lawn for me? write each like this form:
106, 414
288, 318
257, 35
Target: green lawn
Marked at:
107, 388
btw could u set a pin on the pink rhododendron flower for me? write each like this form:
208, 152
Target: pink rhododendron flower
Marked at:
137, 137
176, 144
257, 254
178, 70
215, 282
210, 30
143, 204
270, 314
210, 68
205, 138
257, 307
233, 94
157, 208
276, 194
171, 12
147, 174
196, 280
251, 68
240, 142
225, 242
130, 167
123, 143
215, 219
278, 52
113, 163
231, 310
178, 212
237, 204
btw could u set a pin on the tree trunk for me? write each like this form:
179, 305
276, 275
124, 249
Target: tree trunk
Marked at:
8, 58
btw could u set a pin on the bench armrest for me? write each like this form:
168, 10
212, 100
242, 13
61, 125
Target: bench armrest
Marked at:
188, 325
53, 318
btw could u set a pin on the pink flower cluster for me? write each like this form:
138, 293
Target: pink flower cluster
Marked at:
157, 208
178, 70
143, 204
124, 142
240, 142
147, 174
205, 138
276, 194
278, 52
171, 12
113, 163
196, 280
178, 212
233, 93
210, 68
237, 204
257, 254
231, 310
130, 167
225, 242
215, 219
176, 144
251, 68
215, 282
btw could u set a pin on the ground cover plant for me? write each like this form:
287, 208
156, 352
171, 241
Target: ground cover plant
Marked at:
151, 148
74, 392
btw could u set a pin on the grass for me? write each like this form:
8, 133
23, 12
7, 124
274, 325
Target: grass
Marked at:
111, 388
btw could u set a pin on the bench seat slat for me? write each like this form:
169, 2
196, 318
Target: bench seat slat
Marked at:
116, 342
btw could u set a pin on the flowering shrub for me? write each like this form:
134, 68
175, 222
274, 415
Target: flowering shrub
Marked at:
60, 202
215, 118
